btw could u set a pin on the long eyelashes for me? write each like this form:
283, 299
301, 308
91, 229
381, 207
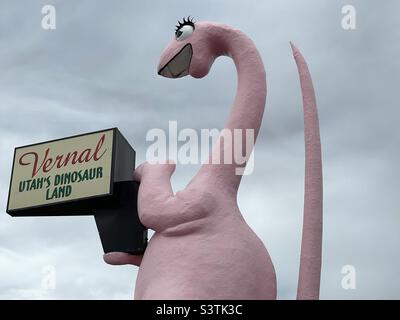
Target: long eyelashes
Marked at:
186, 22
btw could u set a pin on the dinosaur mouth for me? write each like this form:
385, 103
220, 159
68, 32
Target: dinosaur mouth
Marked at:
179, 65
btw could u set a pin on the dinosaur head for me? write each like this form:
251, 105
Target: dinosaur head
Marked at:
191, 52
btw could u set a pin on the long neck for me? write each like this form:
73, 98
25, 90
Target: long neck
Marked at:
248, 107
246, 112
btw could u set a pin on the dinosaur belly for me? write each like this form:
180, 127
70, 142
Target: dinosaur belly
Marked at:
226, 265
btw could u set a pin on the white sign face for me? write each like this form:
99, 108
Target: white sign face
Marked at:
62, 170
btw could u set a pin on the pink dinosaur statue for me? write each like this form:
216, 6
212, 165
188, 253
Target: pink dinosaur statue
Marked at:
202, 247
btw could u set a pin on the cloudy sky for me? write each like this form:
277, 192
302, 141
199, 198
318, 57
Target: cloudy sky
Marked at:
98, 70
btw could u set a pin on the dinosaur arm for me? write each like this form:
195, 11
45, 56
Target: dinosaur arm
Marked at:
156, 200
155, 189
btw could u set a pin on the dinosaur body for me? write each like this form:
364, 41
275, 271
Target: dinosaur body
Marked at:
202, 247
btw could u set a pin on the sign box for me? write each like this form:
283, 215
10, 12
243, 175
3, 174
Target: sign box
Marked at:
79, 175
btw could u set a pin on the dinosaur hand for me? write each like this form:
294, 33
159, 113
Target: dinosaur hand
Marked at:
155, 169
138, 173
121, 258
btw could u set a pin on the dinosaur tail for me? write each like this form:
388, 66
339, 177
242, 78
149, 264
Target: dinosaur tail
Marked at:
311, 243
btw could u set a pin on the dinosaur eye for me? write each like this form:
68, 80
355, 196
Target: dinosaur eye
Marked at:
184, 29
184, 33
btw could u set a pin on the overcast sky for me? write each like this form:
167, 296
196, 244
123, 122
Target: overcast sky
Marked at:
98, 70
